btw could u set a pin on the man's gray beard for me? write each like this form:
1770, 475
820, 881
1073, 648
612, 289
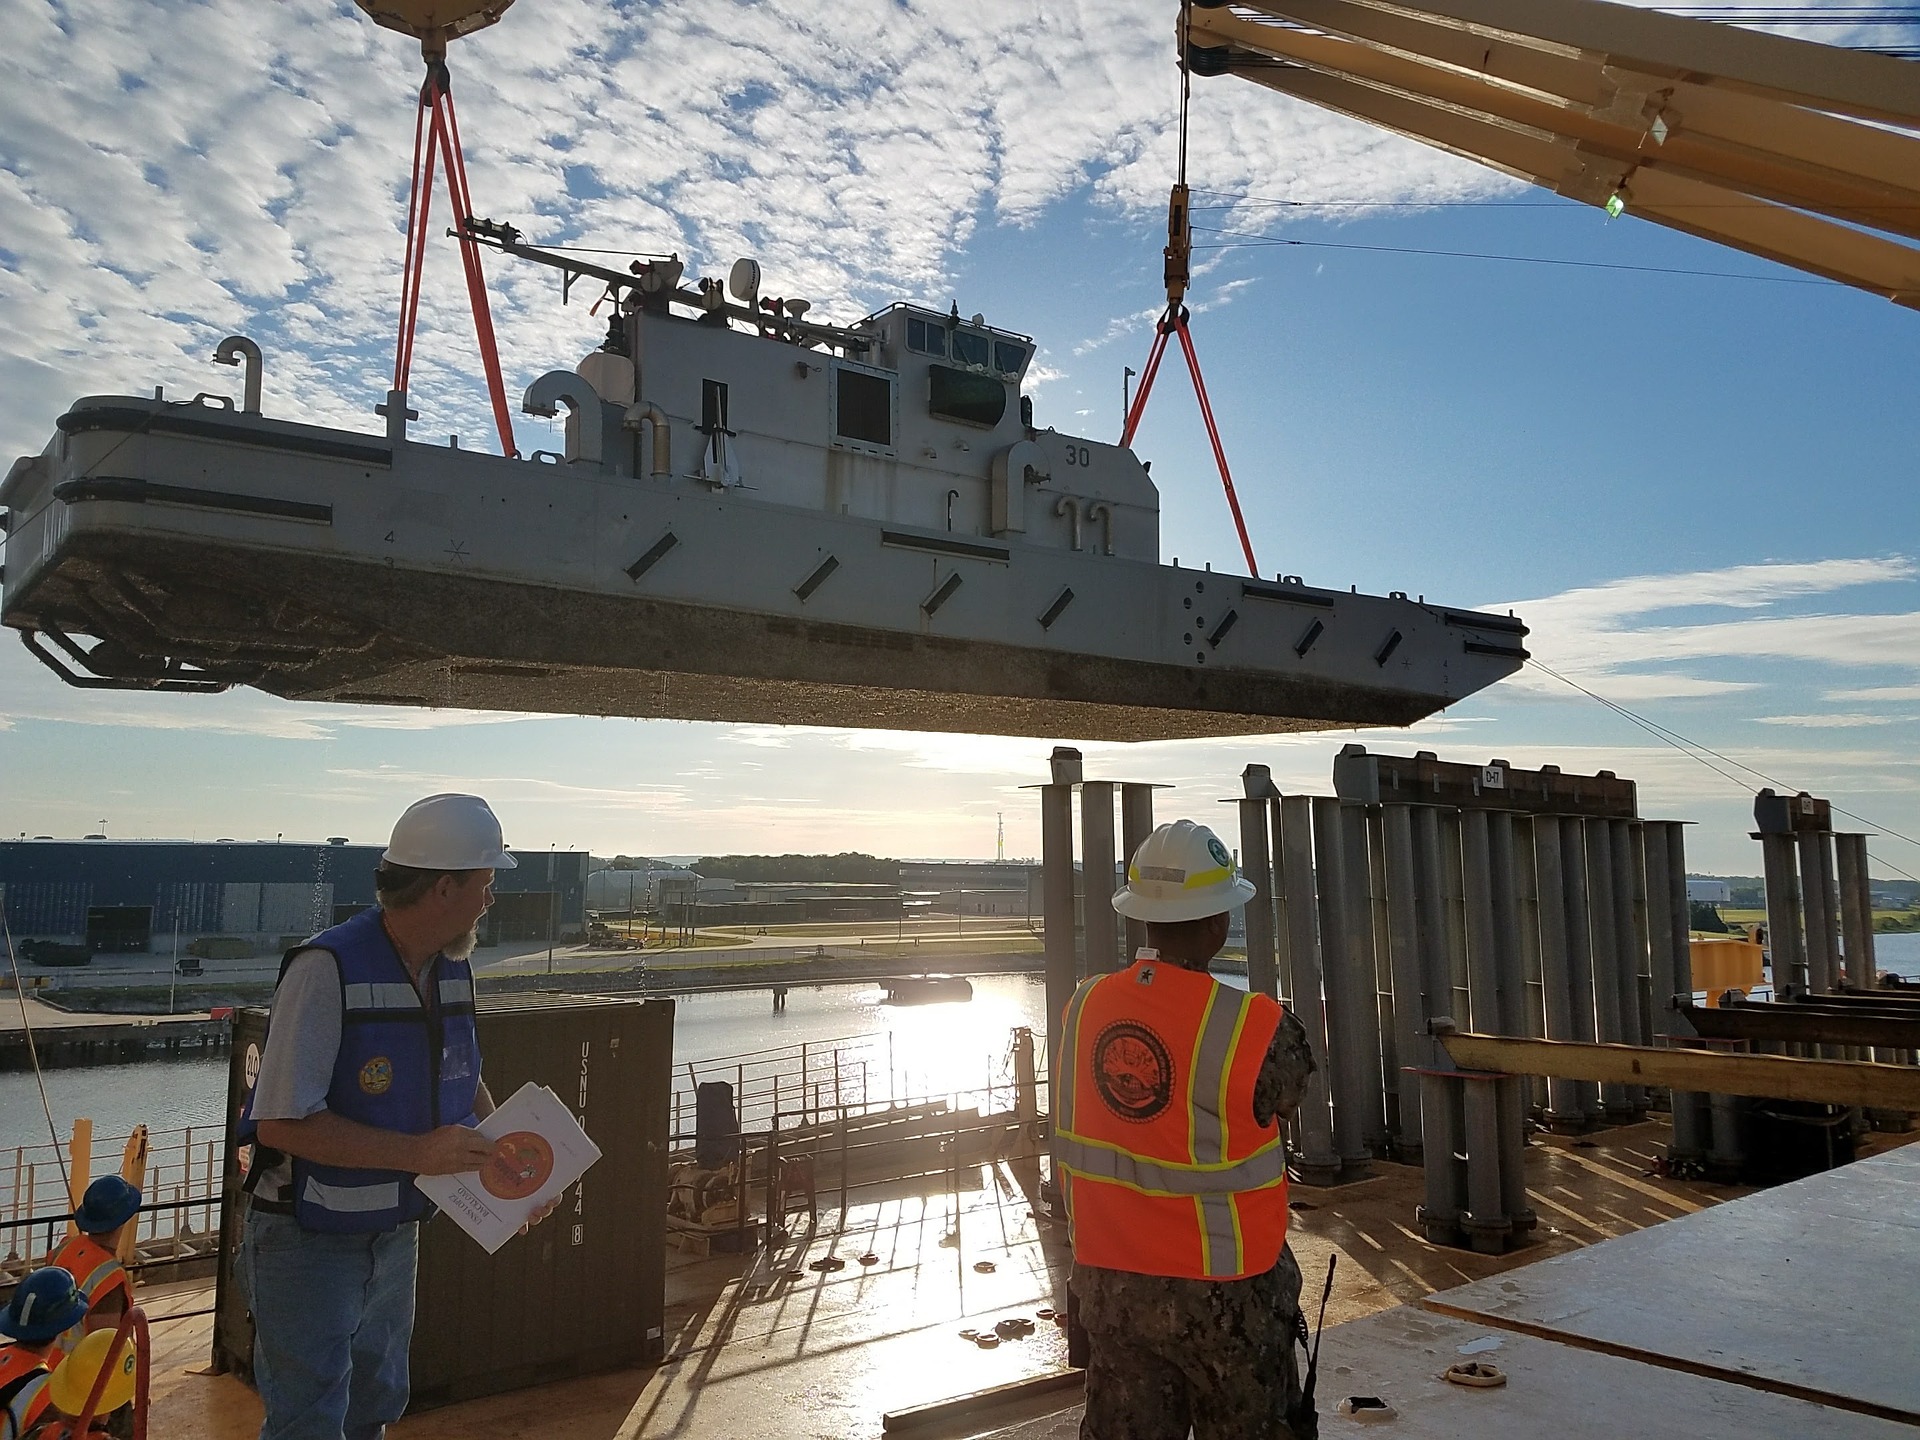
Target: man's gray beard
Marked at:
463, 947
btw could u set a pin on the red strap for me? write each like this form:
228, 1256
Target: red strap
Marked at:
1213, 434
437, 133
1175, 323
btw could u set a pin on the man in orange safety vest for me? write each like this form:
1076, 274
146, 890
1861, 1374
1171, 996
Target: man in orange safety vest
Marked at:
1174, 1091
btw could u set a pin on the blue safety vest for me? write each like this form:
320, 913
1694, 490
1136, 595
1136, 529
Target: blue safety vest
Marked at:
402, 1066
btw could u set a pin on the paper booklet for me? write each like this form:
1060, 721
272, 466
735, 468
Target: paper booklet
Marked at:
539, 1149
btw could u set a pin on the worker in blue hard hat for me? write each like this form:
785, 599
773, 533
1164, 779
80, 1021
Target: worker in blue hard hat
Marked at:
44, 1305
92, 1254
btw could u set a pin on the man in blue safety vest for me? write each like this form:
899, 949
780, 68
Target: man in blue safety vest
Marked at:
370, 1076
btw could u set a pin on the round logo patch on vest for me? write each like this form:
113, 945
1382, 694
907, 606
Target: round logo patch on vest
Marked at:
376, 1075
1132, 1071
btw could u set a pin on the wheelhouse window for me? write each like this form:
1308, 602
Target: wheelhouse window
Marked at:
863, 404
1008, 359
966, 396
926, 337
970, 347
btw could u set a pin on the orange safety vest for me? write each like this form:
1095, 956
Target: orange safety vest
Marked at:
23, 1388
97, 1272
1167, 1171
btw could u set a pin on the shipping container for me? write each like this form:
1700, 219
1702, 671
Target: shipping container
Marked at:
586, 1290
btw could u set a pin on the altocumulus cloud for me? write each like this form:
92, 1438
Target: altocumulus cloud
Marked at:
172, 170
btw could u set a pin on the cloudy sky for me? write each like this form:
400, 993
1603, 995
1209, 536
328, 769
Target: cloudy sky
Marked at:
1693, 473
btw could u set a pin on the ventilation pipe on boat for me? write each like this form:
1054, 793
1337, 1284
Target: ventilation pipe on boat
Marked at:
1102, 512
563, 387
1069, 505
645, 414
232, 351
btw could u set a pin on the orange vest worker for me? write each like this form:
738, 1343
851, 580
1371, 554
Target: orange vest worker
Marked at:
1167, 1171
101, 1278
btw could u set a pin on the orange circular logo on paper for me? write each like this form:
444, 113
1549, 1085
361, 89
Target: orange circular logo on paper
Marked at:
520, 1164
1132, 1071
376, 1075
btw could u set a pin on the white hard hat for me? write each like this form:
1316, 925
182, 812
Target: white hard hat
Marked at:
448, 832
1181, 872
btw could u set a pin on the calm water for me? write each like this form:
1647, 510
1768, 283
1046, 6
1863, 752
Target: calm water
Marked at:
934, 1047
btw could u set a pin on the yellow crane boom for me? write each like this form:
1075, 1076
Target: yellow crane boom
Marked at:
1803, 153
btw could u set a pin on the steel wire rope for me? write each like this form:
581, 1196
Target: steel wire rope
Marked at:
1694, 750
1245, 241
33, 1054
1235, 199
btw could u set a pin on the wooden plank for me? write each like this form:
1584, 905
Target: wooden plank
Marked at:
1777, 1077
1552, 1389
1804, 1290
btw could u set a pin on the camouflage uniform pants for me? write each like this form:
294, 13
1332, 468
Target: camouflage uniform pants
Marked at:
1170, 1354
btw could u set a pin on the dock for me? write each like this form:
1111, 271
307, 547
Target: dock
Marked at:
65, 1039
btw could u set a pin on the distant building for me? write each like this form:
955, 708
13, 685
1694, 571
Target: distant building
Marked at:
133, 896
964, 902
943, 875
1709, 891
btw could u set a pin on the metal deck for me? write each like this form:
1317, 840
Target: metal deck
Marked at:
1806, 1290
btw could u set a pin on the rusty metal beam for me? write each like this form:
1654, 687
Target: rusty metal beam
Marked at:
1777, 1077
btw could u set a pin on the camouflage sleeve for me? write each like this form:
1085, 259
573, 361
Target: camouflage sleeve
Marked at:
1283, 1074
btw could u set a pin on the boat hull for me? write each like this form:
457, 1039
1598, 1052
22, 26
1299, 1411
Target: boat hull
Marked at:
325, 565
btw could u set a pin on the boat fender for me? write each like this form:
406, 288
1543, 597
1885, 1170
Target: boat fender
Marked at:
563, 387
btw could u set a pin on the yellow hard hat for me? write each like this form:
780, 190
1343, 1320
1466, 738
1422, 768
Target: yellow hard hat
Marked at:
72, 1379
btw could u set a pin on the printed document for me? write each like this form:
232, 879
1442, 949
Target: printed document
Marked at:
539, 1150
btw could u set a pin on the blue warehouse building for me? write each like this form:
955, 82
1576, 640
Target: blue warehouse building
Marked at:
131, 896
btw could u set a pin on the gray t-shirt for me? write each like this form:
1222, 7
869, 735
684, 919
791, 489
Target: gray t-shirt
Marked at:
296, 1069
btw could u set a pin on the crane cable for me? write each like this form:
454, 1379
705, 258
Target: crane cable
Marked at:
1173, 322
33, 1054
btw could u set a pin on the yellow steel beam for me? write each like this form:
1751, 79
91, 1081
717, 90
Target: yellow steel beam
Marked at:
1777, 1077
1735, 195
1713, 137
1665, 47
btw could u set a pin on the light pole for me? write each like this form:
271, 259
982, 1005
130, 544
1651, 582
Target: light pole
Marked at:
553, 901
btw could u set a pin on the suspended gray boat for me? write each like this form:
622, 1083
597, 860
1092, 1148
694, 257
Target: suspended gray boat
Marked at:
756, 518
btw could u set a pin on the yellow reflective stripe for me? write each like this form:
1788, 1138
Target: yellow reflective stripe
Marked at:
1226, 1070
1067, 1096
1195, 1074
1206, 1240
1199, 878
90, 1287
1108, 1164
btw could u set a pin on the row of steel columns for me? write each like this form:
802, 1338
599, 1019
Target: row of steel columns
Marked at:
1083, 932
1372, 921
1819, 911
